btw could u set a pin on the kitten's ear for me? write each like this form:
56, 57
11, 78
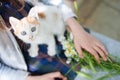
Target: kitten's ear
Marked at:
13, 21
41, 15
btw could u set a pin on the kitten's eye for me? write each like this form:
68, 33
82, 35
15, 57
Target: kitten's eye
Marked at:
23, 33
33, 29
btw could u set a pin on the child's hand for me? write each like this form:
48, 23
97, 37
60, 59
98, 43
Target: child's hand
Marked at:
49, 76
83, 40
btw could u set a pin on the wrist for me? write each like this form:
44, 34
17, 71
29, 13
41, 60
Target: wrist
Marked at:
74, 25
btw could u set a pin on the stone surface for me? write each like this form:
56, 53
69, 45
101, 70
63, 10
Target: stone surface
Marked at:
113, 3
87, 8
105, 19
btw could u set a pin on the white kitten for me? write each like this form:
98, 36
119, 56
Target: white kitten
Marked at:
39, 27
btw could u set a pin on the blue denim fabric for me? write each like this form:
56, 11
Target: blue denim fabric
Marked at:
44, 64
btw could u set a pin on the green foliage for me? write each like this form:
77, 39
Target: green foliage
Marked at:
89, 62
76, 10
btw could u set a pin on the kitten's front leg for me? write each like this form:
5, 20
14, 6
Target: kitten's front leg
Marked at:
60, 36
33, 51
51, 46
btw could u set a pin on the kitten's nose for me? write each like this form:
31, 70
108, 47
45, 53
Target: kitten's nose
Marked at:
31, 37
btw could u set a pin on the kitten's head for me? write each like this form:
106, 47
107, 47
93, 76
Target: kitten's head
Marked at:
25, 29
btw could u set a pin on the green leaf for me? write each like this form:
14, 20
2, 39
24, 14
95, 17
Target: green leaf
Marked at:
83, 74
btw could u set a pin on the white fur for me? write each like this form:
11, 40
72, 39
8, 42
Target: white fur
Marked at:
49, 26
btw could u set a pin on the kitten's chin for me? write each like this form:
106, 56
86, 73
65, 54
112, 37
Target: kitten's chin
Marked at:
31, 40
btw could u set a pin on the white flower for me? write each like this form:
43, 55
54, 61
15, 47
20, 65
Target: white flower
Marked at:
65, 44
68, 60
68, 53
73, 52
71, 36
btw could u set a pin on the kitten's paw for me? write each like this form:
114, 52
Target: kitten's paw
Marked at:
51, 52
60, 38
32, 53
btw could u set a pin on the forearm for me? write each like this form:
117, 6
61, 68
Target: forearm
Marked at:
74, 25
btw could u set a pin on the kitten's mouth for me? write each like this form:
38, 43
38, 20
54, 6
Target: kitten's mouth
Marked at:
31, 38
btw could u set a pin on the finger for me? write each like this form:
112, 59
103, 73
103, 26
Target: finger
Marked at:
95, 54
57, 75
100, 45
65, 78
79, 50
104, 50
101, 53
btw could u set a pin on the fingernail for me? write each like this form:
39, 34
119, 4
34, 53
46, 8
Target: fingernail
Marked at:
105, 59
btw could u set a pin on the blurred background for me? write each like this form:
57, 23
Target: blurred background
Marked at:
102, 16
